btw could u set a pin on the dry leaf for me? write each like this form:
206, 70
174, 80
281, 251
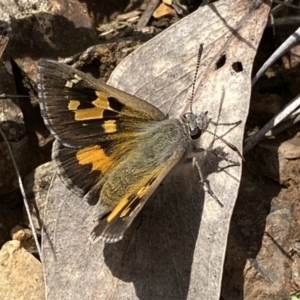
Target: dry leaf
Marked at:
176, 248
163, 10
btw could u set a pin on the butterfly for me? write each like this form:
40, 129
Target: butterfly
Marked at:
111, 148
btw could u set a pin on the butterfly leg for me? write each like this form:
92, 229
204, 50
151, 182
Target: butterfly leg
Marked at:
204, 182
234, 124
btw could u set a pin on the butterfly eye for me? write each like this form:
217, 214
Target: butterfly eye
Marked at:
196, 133
190, 120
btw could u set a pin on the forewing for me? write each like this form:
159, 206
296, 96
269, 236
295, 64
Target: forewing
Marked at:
80, 110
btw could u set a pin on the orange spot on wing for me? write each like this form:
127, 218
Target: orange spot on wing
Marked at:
96, 156
143, 191
89, 114
110, 126
73, 104
100, 105
102, 100
117, 209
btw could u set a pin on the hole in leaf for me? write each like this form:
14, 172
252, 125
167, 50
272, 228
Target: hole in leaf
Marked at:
237, 66
221, 61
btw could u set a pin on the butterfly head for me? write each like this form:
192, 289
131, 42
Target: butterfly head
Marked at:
196, 124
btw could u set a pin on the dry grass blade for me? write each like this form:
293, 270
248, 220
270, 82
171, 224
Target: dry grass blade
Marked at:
3, 44
291, 41
21, 186
144, 19
276, 120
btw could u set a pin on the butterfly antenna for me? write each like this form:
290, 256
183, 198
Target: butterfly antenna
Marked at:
195, 76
